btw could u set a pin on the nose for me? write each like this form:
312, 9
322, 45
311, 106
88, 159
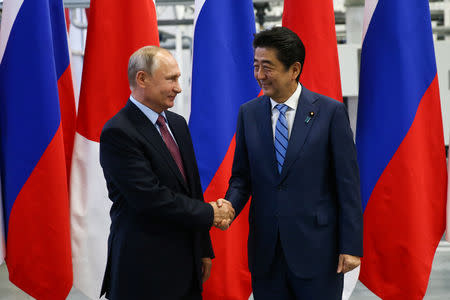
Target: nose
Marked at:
259, 74
177, 87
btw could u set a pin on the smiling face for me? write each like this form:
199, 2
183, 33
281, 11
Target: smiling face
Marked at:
276, 81
161, 87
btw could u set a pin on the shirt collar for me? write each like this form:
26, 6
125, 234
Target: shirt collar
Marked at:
292, 101
148, 112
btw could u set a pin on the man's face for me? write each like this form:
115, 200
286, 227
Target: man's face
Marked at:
162, 86
276, 81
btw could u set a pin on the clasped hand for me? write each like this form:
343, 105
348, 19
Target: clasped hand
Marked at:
223, 213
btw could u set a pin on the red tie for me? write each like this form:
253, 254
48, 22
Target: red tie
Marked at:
171, 145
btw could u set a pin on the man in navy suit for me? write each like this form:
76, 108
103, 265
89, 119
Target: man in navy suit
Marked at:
159, 245
296, 157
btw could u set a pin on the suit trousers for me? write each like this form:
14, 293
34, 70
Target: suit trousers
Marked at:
193, 293
281, 284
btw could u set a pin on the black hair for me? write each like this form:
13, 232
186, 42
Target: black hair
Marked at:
288, 45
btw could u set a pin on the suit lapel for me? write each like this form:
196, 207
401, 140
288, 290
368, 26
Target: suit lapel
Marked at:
266, 131
183, 145
148, 130
302, 124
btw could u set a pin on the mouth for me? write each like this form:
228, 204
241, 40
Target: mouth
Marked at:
264, 85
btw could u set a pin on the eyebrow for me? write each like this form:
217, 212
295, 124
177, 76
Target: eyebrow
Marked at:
173, 75
264, 62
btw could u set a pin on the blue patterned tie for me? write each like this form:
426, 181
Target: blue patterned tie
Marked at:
281, 135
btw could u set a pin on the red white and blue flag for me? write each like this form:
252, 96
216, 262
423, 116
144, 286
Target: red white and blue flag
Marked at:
36, 107
222, 80
400, 147
447, 231
2, 226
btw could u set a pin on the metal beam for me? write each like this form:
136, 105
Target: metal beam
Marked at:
174, 2
77, 3
86, 3
436, 15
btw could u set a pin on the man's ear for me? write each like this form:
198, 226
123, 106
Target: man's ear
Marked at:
296, 69
141, 78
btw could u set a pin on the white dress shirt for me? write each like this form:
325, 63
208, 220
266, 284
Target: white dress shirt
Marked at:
292, 104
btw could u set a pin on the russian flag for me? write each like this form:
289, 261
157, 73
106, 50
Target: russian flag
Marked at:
222, 80
2, 226
115, 31
447, 229
400, 149
35, 78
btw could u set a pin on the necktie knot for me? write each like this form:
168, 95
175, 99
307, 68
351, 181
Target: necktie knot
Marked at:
282, 108
161, 121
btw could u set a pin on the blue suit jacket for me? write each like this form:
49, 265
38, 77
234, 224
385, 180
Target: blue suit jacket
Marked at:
314, 205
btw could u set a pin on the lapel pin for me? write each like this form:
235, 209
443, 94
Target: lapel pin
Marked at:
308, 118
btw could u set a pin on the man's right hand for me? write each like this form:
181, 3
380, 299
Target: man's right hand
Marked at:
223, 213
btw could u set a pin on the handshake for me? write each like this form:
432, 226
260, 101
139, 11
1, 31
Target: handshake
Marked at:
223, 213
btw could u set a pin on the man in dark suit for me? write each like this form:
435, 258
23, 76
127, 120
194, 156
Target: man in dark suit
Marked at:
295, 156
159, 245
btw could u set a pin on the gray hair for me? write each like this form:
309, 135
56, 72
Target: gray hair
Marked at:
142, 60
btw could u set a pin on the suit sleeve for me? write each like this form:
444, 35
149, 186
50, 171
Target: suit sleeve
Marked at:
239, 186
126, 167
346, 172
207, 249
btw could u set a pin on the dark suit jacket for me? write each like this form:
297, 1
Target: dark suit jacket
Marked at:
160, 224
314, 205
